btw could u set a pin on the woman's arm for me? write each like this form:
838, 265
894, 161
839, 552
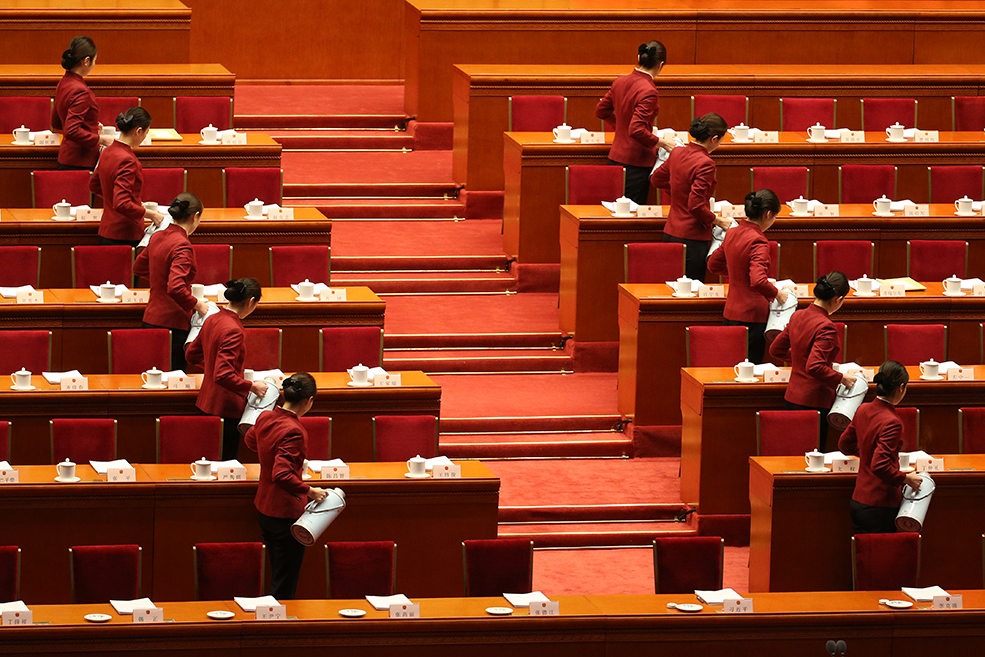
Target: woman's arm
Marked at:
225, 373
699, 198
74, 127
848, 443
885, 458
717, 262
288, 464
781, 345
822, 353
759, 266
122, 199
641, 125
180, 278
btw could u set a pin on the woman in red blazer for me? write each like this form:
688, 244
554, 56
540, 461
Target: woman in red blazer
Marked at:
221, 350
169, 263
875, 436
75, 112
119, 178
689, 175
810, 343
745, 258
281, 443
632, 105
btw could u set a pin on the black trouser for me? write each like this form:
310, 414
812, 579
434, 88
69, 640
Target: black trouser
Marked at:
873, 519
756, 341
72, 167
822, 434
178, 338
695, 258
230, 438
286, 556
637, 182
106, 241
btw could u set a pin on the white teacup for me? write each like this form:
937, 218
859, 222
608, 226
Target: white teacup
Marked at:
864, 285
800, 205
22, 135
109, 131
152, 377
623, 205
360, 374
62, 210
685, 286
928, 369
198, 291
816, 132
895, 132
21, 379
963, 205
814, 460
66, 469
255, 209
881, 205
904, 460
416, 466
745, 371
563, 132
952, 285
306, 290
248, 374
107, 291
209, 134
150, 205
741, 132
202, 468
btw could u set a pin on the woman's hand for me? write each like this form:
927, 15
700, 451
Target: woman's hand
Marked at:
202, 307
106, 140
913, 480
782, 295
155, 217
259, 388
722, 223
848, 380
666, 144
317, 494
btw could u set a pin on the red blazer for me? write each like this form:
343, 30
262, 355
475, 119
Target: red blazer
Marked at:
119, 179
632, 104
220, 349
281, 443
76, 114
875, 436
745, 258
689, 175
169, 262
809, 344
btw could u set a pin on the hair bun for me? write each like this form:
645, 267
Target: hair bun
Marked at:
178, 209
642, 50
879, 378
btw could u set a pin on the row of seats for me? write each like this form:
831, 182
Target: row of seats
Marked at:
191, 113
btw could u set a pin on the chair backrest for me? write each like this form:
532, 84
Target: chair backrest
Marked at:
343, 347
354, 570
787, 433
28, 349
880, 113
864, 183
653, 262
32, 112
5, 430
83, 439
21, 266
734, 109
968, 113
213, 262
290, 265
912, 344
590, 184
685, 564
192, 113
10, 573
788, 182
946, 184
94, 265
111, 106
100, 573
537, 113
50, 187
911, 427
133, 351
935, 260
798, 114
187, 438
163, 185
243, 184
319, 431
402, 437
264, 347
227, 570
971, 430
495, 566
716, 346
853, 258
885, 562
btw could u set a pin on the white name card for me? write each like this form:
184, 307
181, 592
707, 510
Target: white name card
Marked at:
916, 210
593, 137
234, 473
548, 608
272, 612
776, 375
330, 294
892, 290
153, 615
852, 136
978, 290
742, 606
844, 465
386, 380
940, 602
30, 296
453, 471
9, 476
234, 139
711, 291
74, 383
766, 137
136, 296
181, 382
961, 374
832, 210
649, 211
800, 291
866, 373
926, 135
281, 213
46, 140
930, 465
18, 617
733, 211
335, 472
412, 610
92, 214
120, 475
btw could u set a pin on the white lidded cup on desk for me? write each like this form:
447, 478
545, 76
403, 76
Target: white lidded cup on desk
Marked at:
22, 135
685, 287
416, 466
152, 377
21, 379
864, 285
210, 134
62, 210
741, 132
745, 371
563, 132
964, 206
929, 369
814, 460
255, 209
360, 374
623, 205
800, 205
904, 460
107, 291
882, 205
816, 132
66, 470
952, 285
306, 290
202, 469
895, 132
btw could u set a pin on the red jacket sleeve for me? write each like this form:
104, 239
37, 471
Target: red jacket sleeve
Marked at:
95, 184
641, 125
759, 265
122, 199
605, 110
180, 277
74, 128
885, 458
717, 262
660, 178
822, 352
141, 265
193, 352
288, 464
251, 438
781, 346
848, 443
225, 374
702, 189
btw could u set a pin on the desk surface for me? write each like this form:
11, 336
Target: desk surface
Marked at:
188, 145
219, 215
854, 212
114, 74
818, 9
787, 140
80, 6
73, 297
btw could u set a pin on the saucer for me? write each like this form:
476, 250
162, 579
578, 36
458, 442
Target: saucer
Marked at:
27, 388
896, 141
499, 611
688, 607
931, 378
899, 604
246, 216
816, 470
307, 300
565, 141
866, 294
623, 216
352, 613
113, 300
22, 143
742, 141
955, 294
306, 476
683, 296
805, 214
353, 384
817, 141
907, 469
220, 615
965, 214
209, 478
883, 214
97, 618
414, 476
68, 481
63, 218
150, 387
210, 143
752, 380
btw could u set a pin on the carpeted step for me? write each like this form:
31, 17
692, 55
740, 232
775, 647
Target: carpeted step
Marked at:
593, 533
382, 208
465, 315
490, 360
466, 340
477, 242
337, 174
460, 263
590, 513
535, 445
369, 190
349, 140
522, 423
427, 282
264, 106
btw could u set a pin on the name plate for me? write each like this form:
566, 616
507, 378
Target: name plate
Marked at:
741, 606
593, 137
281, 213
549, 608
234, 473
961, 374
729, 211
453, 471
978, 290
153, 615
800, 291
711, 291
181, 382
649, 211
776, 376
866, 373
9, 476
926, 135
930, 465
852, 136
272, 612
46, 140
136, 296
28, 296
844, 465
234, 139
386, 380
892, 290
766, 137
412, 610
831, 210
120, 475
916, 210
335, 472
92, 214
74, 383
18, 617
330, 294
940, 602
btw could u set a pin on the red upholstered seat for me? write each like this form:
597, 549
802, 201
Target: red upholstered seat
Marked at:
111, 106
83, 439
133, 351
864, 183
734, 109
971, 430
263, 348
227, 570
787, 433
10, 573
496, 566
28, 349
654, 262
290, 265
590, 184
187, 438
716, 346
949, 183
880, 113
687, 564
798, 114
851, 257
50, 187
319, 437
192, 113
911, 428
968, 113
5, 431
935, 260
94, 265
243, 184
354, 570
343, 347
163, 185
402, 437
536, 113
101, 573
214, 263
21, 266
32, 112
885, 562
912, 344
787, 182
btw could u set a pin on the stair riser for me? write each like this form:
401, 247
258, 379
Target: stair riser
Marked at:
381, 191
527, 424
395, 341
538, 450
381, 211
547, 540
647, 512
484, 365
381, 122
424, 286
434, 264
303, 142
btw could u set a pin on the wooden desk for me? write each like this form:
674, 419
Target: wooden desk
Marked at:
119, 29
136, 411
154, 84
800, 519
652, 338
250, 238
166, 513
204, 164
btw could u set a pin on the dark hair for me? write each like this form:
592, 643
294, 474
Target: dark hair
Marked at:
185, 206
760, 202
892, 374
135, 117
831, 285
652, 53
79, 48
299, 386
242, 289
708, 126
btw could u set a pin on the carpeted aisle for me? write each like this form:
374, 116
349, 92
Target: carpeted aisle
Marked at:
318, 99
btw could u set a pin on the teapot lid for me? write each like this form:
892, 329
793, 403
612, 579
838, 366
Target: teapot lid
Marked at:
418, 458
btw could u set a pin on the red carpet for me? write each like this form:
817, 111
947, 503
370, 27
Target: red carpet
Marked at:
318, 106
532, 395
372, 168
377, 239
460, 315
530, 445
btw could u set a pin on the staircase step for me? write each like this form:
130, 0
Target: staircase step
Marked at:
359, 140
536, 445
387, 174
369, 190
593, 533
272, 122
382, 208
577, 514
460, 263
466, 340
424, 282
495, 360
527, 424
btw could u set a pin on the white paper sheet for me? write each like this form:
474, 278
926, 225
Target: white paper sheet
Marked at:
120, 289
251, 604
925, 594
854, 285
383, 602
811, 204
829, 457
55, 378
261, 375
437, 460
232, 463
899, 206
843, 368
967, 284
4, 465
17, 605
752, 132
717, 597
168, 375
720, 205
266, 208
102, 466
611, 206
318, 466
74, 210
318, 288
150, 230
126, 607
373, 371
835, 133
942, 368
919, 454
34, 135
524, 599
11, 292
